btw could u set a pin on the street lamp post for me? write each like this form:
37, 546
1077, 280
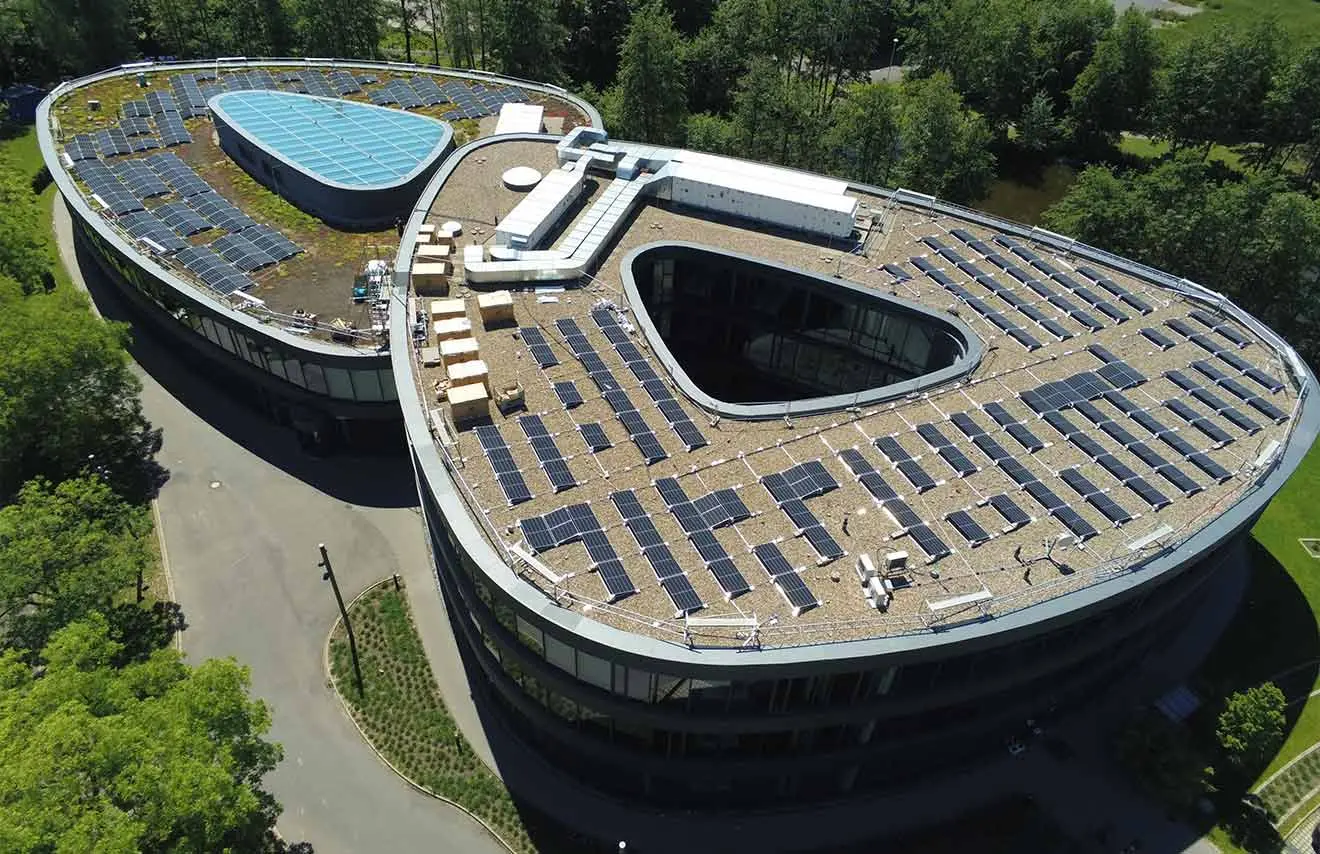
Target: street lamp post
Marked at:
329, 575
893, 49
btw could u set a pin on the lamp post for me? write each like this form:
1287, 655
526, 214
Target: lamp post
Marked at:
893, 49
329, 575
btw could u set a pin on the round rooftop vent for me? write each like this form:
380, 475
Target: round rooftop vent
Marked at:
521, 178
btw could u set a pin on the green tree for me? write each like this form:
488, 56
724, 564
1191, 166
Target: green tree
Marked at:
714, 134
340, 28
24, 252
69, 398
1250, 729
863, 136
529, 40
153, 757
65, 551
1292, 110
1114, 92
595, 34
945, 149
1214, 85
651, 85
1038, 130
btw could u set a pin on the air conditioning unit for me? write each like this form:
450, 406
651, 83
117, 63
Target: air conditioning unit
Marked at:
896, 562
865, 568
878, 594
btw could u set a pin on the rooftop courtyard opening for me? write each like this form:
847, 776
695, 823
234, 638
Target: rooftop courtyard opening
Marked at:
751, 334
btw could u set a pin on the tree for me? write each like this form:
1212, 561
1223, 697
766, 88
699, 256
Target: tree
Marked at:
340, 28
24, 255
1251, 726
652, 96
596, 31
1214, 86
1114, 92
863, 137
68, 397
65, 551
529, 40
1292, 108
944, 147
153, 757
1038, 130
713, 134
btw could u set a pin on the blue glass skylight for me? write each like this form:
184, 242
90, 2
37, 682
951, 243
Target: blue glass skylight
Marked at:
354, 144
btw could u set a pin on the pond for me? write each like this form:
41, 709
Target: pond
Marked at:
1023, 199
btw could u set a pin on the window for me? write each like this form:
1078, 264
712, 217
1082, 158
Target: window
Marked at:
387, 385
366, 385
315, 378
593, 670
531, 636
340, 385
560, 655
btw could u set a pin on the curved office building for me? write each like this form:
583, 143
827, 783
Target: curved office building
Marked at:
753, 486
238, 206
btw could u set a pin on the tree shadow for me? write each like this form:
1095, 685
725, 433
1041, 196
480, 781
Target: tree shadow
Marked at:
379, 480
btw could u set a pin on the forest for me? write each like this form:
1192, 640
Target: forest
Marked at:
989, 89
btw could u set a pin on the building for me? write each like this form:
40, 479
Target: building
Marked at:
735, 510
177, 186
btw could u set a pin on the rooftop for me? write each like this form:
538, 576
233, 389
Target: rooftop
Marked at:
149, 161
1107, 418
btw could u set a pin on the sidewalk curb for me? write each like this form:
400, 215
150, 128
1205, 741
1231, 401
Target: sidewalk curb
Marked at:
159, 528
348, 712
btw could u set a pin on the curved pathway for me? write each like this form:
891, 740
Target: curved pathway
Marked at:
241, 516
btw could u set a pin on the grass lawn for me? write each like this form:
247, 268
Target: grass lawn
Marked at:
1299, 18
1149, 149
406, 720
22, 150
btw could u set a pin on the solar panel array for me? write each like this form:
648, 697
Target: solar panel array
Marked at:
188, 95
574, 523
898, 510
791, 488
478, 100
344, 83
653, 547
699, 519
679, 421
140, 180
785, 578
144, 225
106, 186
172, 130
501, 461
217, 273
81, 147
183, 219
136, 125
111, 142
219, 211
638, 430
547, 452
178, 175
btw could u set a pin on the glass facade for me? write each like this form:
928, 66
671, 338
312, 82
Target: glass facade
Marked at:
790, 735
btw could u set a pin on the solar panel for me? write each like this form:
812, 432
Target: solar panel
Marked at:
538, 346
1019, 431
918, 476
81, 147
112, 142
183, 219
106, 187
971, 530
1147, 493
682, 594
547, 453
502, 463
1044, 496
1207, 464
929, 542
178, 175
903, 515
242, 253
217, 210
1156, 337
140, 180
271, 242
1121, 375
1109, 508
161, 102
132, 109
143, 143
172, 130
731, 581
1179, 479
1008, 508
1212, 430
344, 83
1017, 472
964, 422
785, 578
143, 225
215, 272
1075, 523
990, 447
135, 126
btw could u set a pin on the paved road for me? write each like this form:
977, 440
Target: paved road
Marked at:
241, 515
